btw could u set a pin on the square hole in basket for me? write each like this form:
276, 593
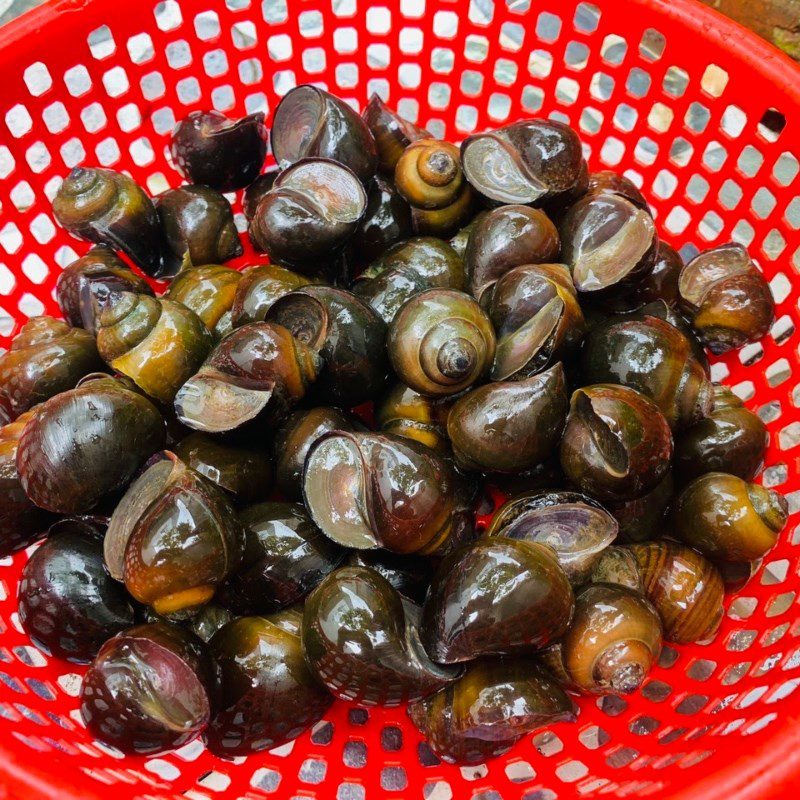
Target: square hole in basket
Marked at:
116, 82
714, 156
591, 120
681, 151
625, 117
532, 99
792, 215
467, 118
505, 72
750, 161
675, 81
697, 188
345, 40
665, 184
409, 75
730, 194
638, 83
601, 86
786, 168
207, 27
587, 17
763, 203
476, 48
188, 90
576, 56
140, 48
697, 117
215, 63
55, 117
37, 78
733, 121
445, 24
714, 80
274, 11
250, 71
660, 117
77, 80
613, 49
540, 64
471, 82
378, 56
314, 60
411, 41
652, 45
311, 24
548, 27
107, 152
179, 54
168, 15
567, 91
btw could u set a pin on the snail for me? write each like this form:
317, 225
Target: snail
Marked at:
391, 132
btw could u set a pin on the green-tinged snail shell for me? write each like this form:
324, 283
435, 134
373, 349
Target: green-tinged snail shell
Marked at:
727, 297
507, 237
490, 707
386, 221
607, 242
367, 490
244, 472
444, 222
82, 287
404, 412
208, 620
348, 336
410, 575
684, 587
198, 228
285, 557
157, 343
578, 528
654, 358
428, 174
608, 182
524, 162
268, 694
21, 522
294, 439
662, 282
173, 538
616, 445
391, 132
150, 689
256, 190
46, 357
311, 123
361, 639
313, 208
731, 439
406, 269
259, 288
209, 291
225, 154
538, 320
510, 426
613, 642
441, 342
107, 207
67, 600
86, 443
459, 241
258, 368
618, 566
727, 518
643, 517
496, 596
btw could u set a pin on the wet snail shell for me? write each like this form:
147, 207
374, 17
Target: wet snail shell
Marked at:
259, 288
684, 587
524, 162
444, 222
608, 182
616, 445
21, 522
346, 333
156, 342
285, 557
391, 132
294, 439
727, 297
361, 639
459, 241
67, 600
86, 443
428, 174
404, 412
258, 368
607, 242
441, 342
618, 566
729, 519
107, 207
209, 291
493, 705
654, 358
46, 357
208, 620
173, 538
507, 237
578, 528
256, 190
537, 317
662, 282
643, 517
225, 154
150, 689
386, 221
311, 123
730, 439
613, 641
268, 695
83, 285
410, 575
367, 490
527, 604
313, 208
509, 426
198, 228
243, 472
408, 268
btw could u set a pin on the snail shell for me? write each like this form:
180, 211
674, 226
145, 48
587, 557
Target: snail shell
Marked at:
107, 207
392, 133
386, 221
684, 587
428, 174
441, 342
404, 412
618, 566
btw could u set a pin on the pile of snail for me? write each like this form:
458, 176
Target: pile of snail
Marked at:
260, 488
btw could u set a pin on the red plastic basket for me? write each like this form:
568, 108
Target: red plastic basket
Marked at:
700, 112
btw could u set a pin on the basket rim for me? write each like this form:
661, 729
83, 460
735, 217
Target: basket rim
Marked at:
772, 768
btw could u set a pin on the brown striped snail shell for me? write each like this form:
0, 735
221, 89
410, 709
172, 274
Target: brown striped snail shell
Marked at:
618, 566
428, 174
405, 412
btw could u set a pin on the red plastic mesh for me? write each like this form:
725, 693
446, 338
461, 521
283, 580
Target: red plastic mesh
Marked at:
693, 108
